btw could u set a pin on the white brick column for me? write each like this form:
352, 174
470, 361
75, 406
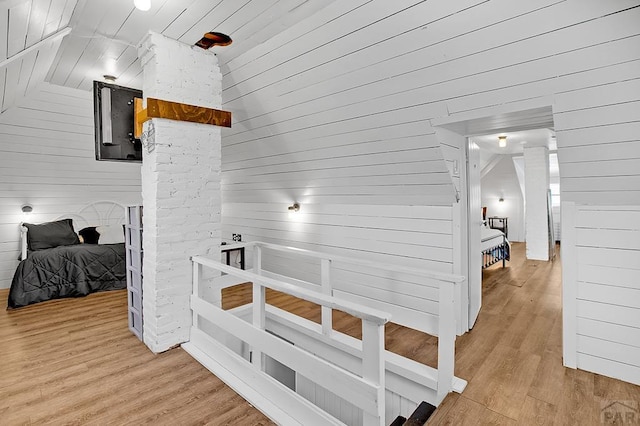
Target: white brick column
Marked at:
536, 177
180, 185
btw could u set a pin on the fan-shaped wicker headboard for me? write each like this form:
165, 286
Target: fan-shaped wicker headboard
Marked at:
96, 213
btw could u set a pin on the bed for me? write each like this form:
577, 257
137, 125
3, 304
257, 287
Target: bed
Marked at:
71, 256
494, 246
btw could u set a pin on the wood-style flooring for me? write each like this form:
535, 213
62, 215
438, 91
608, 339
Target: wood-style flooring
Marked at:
73, 361
513, 357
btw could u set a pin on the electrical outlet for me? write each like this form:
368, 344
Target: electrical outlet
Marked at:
236, 237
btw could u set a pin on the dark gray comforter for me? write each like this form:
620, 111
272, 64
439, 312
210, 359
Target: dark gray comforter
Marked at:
68, 271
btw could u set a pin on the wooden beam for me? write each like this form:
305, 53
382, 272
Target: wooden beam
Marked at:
63, 32
157, 108
139, 117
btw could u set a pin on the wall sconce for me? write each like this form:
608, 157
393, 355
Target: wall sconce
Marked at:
26, 212
502, 141
294, 207
501, 200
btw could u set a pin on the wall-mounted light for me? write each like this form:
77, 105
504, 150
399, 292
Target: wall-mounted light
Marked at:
501, 200
26, 212
142, 5
502, 141
294, 207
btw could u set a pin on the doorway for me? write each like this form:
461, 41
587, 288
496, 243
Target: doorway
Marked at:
469, 210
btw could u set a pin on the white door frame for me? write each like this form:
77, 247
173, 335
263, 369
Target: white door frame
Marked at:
531, 114
474, 222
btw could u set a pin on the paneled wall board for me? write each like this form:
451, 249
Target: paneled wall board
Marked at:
605, 258
337, 148
355, 53
25, 24
607, 63
598, 147
337, 111
461, 53
391, 234
47, 159
276, 120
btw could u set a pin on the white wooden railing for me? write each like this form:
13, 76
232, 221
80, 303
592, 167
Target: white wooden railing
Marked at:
366, 391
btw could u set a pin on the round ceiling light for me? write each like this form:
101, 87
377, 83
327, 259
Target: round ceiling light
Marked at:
143, 5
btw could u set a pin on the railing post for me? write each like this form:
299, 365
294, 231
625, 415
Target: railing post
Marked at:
257, 259
446, 338
326, 312
258, 305
196, 280
373, 368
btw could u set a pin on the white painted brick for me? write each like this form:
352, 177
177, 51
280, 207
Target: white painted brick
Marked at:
180, 182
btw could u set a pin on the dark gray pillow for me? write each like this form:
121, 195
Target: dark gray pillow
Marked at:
51, 234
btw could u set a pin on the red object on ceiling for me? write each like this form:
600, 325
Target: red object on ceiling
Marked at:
212, 38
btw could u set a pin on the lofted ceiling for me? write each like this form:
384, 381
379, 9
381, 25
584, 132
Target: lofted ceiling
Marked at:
73, 42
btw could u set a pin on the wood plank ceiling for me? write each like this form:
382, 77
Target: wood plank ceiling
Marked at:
104, 35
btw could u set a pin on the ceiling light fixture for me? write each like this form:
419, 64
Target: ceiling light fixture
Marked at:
142, 5
502, 141
110, 78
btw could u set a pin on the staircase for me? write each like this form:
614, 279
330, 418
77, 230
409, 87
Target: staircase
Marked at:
418, 418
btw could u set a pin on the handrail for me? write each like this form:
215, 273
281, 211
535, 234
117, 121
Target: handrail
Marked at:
439, 276
446, 283
370, 395
354, 309
444, 324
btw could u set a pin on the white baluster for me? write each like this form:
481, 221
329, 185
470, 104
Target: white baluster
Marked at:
325, 276
373, 368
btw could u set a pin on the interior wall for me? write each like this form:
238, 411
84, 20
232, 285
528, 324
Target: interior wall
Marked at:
337, 109
47, 160
502, 182
601, 294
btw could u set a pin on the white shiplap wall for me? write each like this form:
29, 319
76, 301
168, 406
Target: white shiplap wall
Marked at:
598, 131
602, 290
47, 159
25, 59
502, 181
334, 113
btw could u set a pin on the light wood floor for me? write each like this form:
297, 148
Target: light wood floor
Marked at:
74, 362
513, 357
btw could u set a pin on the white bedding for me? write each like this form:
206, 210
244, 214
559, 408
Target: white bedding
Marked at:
490, 238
